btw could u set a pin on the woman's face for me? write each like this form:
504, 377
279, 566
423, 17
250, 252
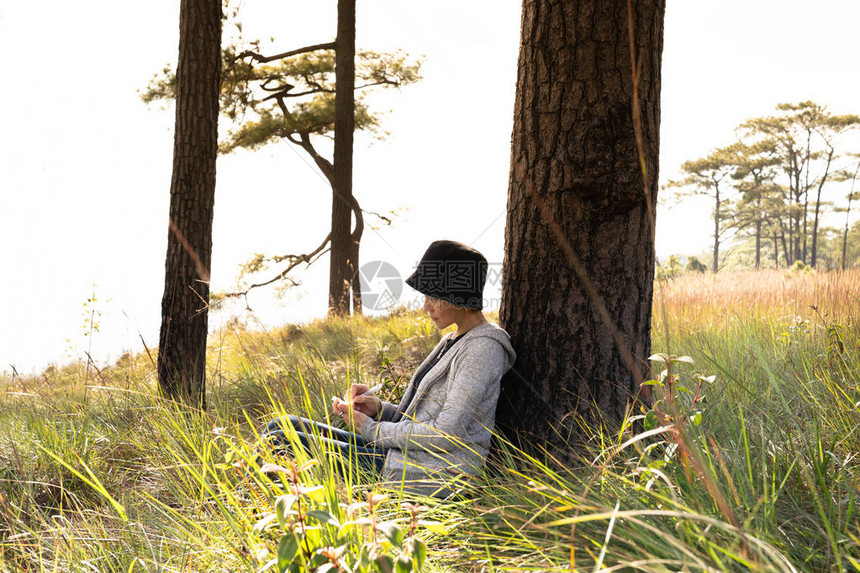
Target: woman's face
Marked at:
441, 312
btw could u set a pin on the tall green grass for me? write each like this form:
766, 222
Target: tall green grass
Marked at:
99, 474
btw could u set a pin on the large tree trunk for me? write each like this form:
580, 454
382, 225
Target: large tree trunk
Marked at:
342, 265
184, 316
579, 236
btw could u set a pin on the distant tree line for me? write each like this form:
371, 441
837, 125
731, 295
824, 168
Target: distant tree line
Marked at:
776, 185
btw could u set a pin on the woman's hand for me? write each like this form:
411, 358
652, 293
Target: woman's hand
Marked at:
358, 407
367, 404
353, 417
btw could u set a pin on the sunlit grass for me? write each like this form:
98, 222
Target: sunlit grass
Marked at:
97, 473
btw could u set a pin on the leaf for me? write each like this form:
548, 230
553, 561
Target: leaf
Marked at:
375, 499
347, 525
385, 563
651, 420
285, 502
708, 379
260, 526
657, 464
287, 549
392, 532
652, 383
323, 516
308, 465
316, 492
270, 468
696, 418
686, 359
355, 506
313, 535
659, 357
283, 508
433, 526
683, 389
364, 555
414, 507
419, 551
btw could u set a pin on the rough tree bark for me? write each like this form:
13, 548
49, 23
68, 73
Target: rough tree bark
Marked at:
344, 251
579, 237
184, 318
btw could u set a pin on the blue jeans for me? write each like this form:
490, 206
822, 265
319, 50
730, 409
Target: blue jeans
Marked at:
350, 447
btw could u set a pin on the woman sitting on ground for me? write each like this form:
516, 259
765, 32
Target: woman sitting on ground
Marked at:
442, 426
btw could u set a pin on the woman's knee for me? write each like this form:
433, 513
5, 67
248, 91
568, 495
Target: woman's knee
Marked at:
279, 424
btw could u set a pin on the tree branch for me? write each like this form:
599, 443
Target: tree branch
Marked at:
298, 94
279, 88
388, 221
295, 260
264, 59
359, 220
379, 83
324, 164
279, 95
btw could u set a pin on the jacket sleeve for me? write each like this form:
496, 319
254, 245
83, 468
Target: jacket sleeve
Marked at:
473, 390
387, 412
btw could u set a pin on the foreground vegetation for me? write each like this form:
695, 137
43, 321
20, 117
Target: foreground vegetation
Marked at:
756, 468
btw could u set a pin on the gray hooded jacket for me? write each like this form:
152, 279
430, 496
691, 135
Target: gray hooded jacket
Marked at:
442, 430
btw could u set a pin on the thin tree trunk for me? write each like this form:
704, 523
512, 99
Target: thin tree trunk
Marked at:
818, 208
775, 252
806, 200
848, 215
715, 265
758, 244
579, 236
794, 233
342, 265
184, 316
845, 233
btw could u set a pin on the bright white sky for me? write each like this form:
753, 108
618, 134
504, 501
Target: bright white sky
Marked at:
85, 166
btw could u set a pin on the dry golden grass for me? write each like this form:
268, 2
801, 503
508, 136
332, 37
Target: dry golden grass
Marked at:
693, 302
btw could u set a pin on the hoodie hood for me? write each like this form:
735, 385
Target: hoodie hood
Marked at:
488, 330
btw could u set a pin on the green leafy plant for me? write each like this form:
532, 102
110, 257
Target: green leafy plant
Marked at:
678, 402
319, 536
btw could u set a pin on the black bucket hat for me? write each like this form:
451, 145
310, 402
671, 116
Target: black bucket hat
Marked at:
451, 271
